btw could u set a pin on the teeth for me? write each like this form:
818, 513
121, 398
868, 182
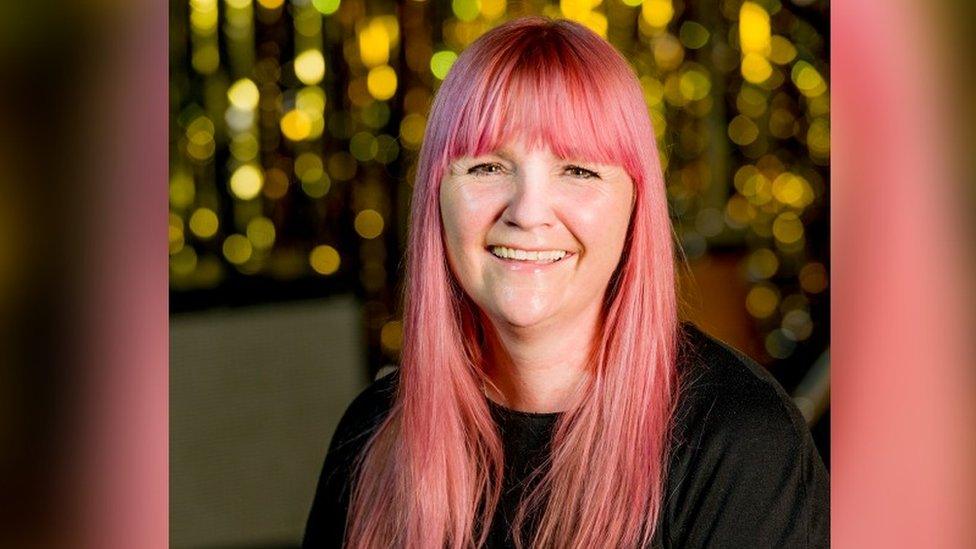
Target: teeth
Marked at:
547, 256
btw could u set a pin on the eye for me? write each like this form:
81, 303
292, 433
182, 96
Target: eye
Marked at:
582, 173
488, 168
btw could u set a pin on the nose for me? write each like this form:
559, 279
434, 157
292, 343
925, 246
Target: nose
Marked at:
530, 204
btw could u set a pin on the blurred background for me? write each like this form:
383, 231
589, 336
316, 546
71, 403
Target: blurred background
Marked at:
293, 132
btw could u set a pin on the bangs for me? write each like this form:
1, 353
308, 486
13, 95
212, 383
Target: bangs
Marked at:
547, 92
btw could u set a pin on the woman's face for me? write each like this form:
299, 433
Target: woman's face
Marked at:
533, 238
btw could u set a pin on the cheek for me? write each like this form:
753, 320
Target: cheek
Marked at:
603, 229
466, 216
464, 228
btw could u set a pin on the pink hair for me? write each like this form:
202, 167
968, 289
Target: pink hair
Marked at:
431, 474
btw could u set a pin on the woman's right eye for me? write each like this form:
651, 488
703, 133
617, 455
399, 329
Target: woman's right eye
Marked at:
489, 168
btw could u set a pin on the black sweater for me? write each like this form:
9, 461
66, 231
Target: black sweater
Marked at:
744, 471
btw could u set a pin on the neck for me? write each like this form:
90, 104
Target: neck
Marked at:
537, 369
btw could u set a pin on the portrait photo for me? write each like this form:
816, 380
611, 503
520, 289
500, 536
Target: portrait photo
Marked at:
489, 273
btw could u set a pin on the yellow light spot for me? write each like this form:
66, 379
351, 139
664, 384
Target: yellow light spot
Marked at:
324, 259
742, 175
307, 23
762, 300
308, 167
742, 130
694, 84
246, 182
754, 33
739, 211
392, 26
818, 138
574, 9
493, 9
412, 130
762, 264
296, 125
752, 184
808, 79
203, 16
751, 101
381, 82
391, 335
204, 223
693, 35
317, 188
326, 7
465, 10
782, 50
819, 105
657, 13
200, 138
261, 233
793, 190
667, 50
175, 233
182, 191
271, 4
310, 67
275, 183
387, 149
755, 68
369, 224
310, 100
238, 4
376, 114
796, 325
813, 278
374, 44
782, 124
787, 228
660, 124
596, 22
184, 262
441, 62
244, 147
237, 249
205, 59
363, 146
244, 94
653, 90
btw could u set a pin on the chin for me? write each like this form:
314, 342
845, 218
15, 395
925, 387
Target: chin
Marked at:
521, 318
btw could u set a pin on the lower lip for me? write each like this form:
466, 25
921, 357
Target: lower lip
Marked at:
529, 266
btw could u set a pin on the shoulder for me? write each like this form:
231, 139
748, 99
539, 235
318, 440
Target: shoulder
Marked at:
364, 414
727, 397
744, 471
325, 526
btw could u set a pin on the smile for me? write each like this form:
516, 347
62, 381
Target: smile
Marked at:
529, 256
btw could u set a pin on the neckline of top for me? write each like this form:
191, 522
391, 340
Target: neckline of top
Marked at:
518, 413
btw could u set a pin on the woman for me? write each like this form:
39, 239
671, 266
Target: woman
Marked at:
547, 395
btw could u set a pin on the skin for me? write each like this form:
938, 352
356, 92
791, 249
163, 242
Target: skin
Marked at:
542, 318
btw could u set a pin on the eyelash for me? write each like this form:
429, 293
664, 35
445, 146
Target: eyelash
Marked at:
481, 169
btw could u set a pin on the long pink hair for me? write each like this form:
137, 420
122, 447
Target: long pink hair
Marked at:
431, 474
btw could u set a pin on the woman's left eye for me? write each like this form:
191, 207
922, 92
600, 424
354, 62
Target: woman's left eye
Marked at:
582, 173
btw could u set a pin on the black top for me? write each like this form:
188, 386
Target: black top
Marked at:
744, 470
